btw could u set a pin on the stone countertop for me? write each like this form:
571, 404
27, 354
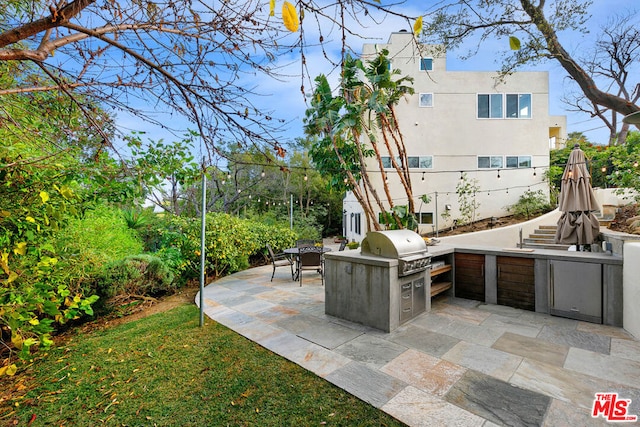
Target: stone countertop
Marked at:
444, 249
355, 254
597, 257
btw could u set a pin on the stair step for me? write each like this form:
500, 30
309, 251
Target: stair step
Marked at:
548, 227
545, 232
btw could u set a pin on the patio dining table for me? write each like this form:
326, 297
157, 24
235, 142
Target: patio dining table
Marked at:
296, 252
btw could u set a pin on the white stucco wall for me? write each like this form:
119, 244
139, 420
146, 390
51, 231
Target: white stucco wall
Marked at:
451, 132
631, 288
351, 210
611, 196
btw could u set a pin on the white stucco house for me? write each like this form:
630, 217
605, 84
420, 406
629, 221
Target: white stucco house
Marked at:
463, 122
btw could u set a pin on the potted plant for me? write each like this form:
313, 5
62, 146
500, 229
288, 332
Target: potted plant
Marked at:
353, 245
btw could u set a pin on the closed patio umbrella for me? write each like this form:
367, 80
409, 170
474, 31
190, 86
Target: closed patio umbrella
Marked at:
577, 225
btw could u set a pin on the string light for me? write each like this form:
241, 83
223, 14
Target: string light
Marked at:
386, 178
498, 173
534, 172
422, 176
461, 175
306, 177
262, 174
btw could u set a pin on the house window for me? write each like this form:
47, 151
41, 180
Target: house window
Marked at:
415, 162
490, 106
518, 161
524, 161
512, 161
490, 162
519, 106
426, 99
425, 217
426, 64
420, 162
356, 220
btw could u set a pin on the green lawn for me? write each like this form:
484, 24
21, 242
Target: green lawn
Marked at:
164, 370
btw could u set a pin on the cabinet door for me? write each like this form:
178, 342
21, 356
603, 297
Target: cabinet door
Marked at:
516, 282
469, 276
576, 290
419, 296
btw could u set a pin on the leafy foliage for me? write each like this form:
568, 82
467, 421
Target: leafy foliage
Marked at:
229, 241
360, 124
139, 275
466, 190
399, 214
87, 243
531, 203
47, 181
163, 169
624, 161
609, 166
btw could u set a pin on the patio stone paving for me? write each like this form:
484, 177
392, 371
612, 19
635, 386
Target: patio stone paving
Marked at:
465, 363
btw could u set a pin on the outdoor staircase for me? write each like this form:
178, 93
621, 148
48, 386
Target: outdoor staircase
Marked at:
544, 236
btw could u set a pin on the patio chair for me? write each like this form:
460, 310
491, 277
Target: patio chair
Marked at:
280, 260
310, 258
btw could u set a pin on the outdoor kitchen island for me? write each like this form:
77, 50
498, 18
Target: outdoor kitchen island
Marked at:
384, 284
580, 285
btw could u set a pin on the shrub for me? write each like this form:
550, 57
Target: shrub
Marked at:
90, 242
138, 275
531, 203
307, 227
49, 283
279, 237
229, 242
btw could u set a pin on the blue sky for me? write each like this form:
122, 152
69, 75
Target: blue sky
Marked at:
284, 99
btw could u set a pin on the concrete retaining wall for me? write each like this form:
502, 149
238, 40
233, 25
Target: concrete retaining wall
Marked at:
631, 288
505, 237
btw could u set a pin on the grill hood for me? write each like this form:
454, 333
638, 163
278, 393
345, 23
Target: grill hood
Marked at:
394, 244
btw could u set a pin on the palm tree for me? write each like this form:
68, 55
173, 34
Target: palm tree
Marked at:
348, 129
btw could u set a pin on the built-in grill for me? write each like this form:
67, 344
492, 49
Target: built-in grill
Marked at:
407, 247
383, 285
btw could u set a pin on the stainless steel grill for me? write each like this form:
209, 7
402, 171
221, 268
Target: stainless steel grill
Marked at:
407, 247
